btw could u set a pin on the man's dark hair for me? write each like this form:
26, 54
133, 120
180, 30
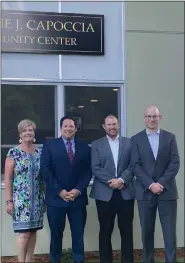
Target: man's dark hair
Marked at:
67, 118
110, 115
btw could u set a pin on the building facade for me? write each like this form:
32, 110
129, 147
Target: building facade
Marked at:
142, 64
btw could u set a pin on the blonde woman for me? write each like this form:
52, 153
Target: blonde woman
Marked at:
24, 190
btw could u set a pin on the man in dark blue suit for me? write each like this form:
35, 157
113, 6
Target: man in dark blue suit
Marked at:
155, 162
66, 170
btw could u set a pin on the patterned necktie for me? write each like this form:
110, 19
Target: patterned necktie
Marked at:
70, 151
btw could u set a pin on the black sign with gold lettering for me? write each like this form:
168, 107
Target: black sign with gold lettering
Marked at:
54, 33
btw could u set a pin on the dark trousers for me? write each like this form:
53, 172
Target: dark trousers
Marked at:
107, 211
167, 214
56, 219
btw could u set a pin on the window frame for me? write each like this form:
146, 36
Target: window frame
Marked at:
60, 99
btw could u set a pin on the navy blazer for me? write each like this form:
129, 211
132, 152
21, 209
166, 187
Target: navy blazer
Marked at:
58, 173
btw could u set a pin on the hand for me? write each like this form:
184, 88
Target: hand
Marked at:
121, 187
161, 188
116, 183
157, 188
65, 195
10, 208
74, 193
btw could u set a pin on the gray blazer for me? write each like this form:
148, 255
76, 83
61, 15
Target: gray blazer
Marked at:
148, 170
103, 169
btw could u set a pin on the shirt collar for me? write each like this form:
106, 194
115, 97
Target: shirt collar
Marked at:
150, 133
65, 141
117, 138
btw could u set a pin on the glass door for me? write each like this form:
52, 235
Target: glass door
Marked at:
90, 105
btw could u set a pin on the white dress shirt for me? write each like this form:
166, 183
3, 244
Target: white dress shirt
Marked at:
114, 146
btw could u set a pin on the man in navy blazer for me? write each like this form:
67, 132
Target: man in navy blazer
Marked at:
66, 171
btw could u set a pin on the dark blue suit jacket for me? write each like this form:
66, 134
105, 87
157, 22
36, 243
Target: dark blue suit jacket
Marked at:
148, 170
58, 173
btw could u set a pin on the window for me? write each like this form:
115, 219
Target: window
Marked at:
35, 102
90, 105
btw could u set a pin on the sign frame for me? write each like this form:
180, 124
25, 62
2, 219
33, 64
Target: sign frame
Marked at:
5, 49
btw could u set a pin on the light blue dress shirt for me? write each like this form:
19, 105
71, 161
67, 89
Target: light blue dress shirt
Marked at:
154, 141
73, 144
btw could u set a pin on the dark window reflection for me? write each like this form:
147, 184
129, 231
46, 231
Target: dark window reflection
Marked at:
4, 152
90, 105
27, 102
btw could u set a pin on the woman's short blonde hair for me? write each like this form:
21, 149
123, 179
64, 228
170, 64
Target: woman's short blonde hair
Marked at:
24, 123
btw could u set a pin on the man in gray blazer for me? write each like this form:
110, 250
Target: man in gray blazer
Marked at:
113, 190
155, 162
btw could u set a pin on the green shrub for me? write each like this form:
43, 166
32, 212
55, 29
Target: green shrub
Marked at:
67, 255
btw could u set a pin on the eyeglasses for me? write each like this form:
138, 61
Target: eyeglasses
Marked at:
152, 117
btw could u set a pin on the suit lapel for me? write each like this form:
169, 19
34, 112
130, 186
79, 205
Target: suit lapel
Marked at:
76, 154
64, 150
161, 143
147, 144
121, 148
107, 148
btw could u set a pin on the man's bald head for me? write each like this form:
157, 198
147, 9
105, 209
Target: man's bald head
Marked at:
152, 117
153, 108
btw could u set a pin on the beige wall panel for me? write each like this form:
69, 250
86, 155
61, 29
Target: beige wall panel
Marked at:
155, 75
160, 16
